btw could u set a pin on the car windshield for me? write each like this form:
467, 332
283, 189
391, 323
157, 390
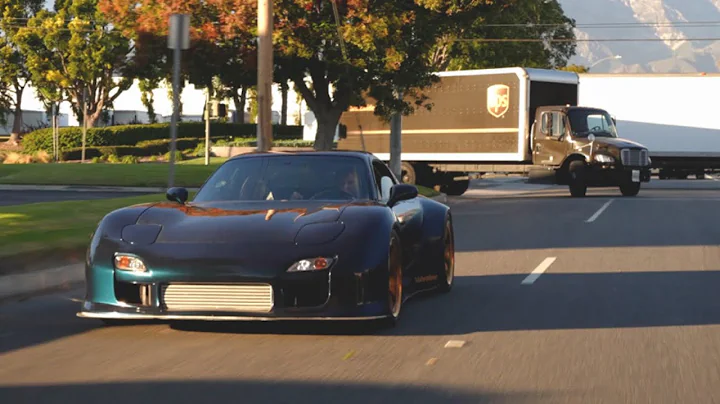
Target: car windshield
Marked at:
586, 122
290, 177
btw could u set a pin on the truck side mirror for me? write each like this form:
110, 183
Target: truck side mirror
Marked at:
614, 121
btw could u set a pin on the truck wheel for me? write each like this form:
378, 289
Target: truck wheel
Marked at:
455, 188
630, 188
576, 179
408, 174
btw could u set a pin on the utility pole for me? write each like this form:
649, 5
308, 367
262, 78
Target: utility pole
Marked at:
265, 75
178, 39
396, 143
84, 136
53, 118
207, 128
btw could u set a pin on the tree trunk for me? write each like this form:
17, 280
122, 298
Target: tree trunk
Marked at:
327, 124
240, 101
92, 118
284, 88
17, 118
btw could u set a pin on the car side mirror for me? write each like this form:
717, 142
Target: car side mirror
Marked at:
614, 121
402, 192
177, 194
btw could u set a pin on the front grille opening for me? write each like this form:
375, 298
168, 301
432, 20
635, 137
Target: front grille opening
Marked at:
310, 293
135, 294
635, 158
217, 297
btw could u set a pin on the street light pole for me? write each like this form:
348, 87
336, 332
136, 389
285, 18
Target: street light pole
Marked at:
265, 75
178, 39
604, 59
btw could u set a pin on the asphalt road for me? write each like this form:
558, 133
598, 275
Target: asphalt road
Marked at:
623, 308
8, 198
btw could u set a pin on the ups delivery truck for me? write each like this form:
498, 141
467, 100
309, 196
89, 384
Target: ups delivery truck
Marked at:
509, 120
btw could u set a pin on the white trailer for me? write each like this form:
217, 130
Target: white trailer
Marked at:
674, 115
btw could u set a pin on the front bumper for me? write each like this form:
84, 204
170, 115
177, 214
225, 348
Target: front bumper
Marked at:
612, 175
337, 294
119, 313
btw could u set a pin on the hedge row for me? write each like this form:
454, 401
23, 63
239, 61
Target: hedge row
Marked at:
130, 135
149, 148
143, 149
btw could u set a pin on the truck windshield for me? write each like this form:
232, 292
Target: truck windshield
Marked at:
585, 122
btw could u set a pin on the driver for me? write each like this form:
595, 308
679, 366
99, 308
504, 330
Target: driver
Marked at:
347, 182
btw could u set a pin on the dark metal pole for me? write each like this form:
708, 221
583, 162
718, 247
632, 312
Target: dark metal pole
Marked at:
176, 112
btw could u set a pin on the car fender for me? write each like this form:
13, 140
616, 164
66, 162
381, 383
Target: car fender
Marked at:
366, 238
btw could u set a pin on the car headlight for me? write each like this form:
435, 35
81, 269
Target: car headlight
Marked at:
311, 264
126, 262
604, 158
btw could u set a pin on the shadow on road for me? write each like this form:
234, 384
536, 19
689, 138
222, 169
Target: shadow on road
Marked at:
555, 301
256, 391
476, 304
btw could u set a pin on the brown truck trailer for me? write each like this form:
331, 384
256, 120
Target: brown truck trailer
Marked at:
509, 120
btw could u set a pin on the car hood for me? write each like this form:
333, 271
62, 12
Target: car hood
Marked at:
244, 223
610, 143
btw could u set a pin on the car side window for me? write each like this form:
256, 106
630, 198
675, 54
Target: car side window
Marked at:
383, 179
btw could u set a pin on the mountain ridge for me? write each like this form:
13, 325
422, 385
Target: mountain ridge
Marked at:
651, 36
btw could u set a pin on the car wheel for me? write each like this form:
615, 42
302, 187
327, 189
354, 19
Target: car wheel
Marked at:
395, 280
447, 274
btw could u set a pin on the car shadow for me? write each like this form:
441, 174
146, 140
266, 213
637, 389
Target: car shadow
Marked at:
260, 391
556, 301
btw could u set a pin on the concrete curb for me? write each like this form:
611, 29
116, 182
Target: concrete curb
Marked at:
17, 285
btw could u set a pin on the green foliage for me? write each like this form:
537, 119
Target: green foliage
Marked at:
178, 156
129, 160
73, 49
14, 74
113, 158
575, 68
131, 135
461, 45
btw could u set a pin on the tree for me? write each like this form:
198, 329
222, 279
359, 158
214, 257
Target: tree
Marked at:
222, 43
471, 41
76, 49
14, 74
576, 68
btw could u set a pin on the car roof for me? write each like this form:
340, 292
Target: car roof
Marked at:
342, 153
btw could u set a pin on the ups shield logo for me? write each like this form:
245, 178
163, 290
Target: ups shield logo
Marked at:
498, 100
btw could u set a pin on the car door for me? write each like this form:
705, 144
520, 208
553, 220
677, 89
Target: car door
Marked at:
550, 139
409, 214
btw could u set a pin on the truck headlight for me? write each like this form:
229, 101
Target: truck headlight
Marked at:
604, 158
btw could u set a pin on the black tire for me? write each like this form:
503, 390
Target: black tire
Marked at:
409, 176
395, 274
576, 179
455, 188
446, 273
630, 188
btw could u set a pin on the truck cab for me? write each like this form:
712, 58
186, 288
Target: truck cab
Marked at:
582, 147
